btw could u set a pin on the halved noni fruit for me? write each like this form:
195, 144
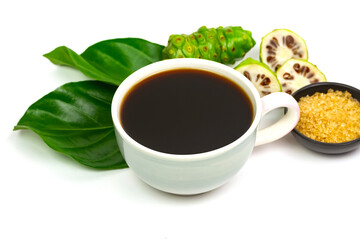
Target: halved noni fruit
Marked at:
297, 73
279, 46
260, 75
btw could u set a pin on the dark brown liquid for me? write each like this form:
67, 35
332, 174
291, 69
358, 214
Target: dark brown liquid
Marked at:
186, 111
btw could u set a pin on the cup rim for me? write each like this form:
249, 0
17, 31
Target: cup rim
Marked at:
184, 63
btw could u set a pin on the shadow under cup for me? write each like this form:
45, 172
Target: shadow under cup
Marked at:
186, 173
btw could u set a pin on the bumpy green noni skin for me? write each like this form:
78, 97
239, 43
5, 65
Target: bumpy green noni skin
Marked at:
222, 44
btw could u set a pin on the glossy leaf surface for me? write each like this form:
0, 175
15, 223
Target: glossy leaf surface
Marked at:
75, 119
111, 60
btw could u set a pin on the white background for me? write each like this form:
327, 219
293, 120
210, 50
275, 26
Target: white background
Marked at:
284, 191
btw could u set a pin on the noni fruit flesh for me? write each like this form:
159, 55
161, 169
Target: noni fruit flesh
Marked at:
260, 75
279, 46
297, 73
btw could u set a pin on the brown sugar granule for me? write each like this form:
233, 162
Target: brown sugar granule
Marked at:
331, 117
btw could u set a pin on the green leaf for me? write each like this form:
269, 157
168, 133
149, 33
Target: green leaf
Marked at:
109, 61
75, 119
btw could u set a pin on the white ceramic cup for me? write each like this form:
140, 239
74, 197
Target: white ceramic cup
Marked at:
202, 172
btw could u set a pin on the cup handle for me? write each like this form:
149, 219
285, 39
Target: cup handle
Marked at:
285, 124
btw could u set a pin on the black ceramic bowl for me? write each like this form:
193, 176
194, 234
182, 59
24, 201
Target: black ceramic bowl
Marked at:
328, 148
